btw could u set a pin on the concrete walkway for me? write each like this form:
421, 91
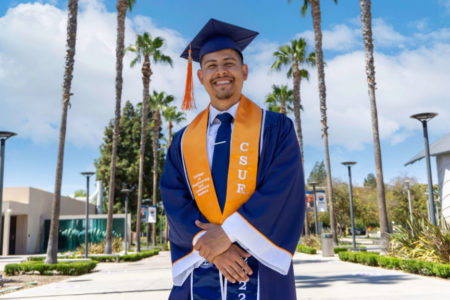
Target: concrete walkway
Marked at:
316, 278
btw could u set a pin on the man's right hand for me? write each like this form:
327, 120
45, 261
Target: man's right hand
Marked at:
232, 265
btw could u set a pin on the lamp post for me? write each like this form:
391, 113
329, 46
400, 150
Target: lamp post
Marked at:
424, 118
4, 135
316, 223
126, 192
409, 200
86, 229
349, 165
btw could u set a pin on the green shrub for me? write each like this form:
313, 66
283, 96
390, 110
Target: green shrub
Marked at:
306, 249
389, 262
347, 248
35, 258
62, 268
139, 256
108, 258
442, 270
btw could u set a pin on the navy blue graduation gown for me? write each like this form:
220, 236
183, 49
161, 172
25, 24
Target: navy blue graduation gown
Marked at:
268, 225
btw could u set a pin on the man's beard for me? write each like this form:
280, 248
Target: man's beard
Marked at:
224, 95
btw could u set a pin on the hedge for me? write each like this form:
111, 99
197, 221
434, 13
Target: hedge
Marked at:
407, 265
306, 249
106, 258
347, 248
62, 268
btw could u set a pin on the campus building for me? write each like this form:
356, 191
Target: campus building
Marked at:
26, 221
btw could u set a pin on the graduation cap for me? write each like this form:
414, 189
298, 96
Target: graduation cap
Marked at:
214, 36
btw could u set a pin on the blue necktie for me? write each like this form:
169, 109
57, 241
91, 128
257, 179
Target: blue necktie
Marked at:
221, 158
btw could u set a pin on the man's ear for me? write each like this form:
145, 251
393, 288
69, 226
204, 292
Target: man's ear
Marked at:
245, 71
200, 75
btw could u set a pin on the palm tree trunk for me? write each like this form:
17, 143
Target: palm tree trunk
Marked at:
298, 123
166, 227
122, 6
52, 246
366, 20
315, 13
157, 119
146, 74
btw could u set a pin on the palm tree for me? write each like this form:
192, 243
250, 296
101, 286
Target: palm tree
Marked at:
158, 103
52, 246
280, 99
146, 48
366, 20
295, 55
315, 13
122, 7
171, 115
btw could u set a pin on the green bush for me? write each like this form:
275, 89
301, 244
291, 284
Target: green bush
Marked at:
306, 249
347, 248
139, 255
62, 268
407, 265
108, 258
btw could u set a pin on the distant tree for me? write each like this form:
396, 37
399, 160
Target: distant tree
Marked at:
172, 115
281, 99
366, 21
318, 173
149, 50
397, 200
127, 157
370, 181
317, 19
80, 193
122, 6
71, 37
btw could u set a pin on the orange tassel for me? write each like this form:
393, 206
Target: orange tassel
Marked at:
189, 102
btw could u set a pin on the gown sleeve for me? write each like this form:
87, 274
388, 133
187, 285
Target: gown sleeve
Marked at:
269, 224
182, 212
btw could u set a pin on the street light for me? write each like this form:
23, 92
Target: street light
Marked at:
86, 234
409, 200
4, 135
349, 165
316, 223
126, 192
424, 118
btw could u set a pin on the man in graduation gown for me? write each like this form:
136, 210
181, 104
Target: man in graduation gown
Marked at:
232, 186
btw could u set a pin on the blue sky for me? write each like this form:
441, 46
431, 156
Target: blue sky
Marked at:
412, 44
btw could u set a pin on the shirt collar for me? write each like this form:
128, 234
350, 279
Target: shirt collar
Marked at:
214, 112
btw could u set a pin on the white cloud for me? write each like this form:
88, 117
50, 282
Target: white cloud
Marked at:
32, 49
445, 4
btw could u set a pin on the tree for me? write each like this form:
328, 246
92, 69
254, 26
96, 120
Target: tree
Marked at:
171, 115
146, 48
158, 102
280, 99
127, 157
318, 173
122, 7
52, 247
295, 55
79, 193
366, 21
370, 181
315, 13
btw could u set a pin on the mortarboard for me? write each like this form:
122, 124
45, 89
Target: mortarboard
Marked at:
214, 36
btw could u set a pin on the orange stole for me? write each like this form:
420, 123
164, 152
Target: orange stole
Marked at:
243, 165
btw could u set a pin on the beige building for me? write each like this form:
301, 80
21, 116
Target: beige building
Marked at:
24, 211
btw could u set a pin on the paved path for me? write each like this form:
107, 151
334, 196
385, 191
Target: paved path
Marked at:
316, 278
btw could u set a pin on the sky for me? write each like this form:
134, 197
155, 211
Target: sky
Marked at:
412, 63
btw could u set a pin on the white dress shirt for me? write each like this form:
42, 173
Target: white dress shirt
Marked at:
213, 127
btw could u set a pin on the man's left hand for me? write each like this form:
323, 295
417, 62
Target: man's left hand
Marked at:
214, 242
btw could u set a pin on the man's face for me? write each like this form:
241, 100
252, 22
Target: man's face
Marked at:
223, 74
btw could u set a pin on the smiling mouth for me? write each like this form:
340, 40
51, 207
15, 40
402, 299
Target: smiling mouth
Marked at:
222, 82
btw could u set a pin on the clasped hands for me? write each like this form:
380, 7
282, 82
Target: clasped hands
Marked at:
229, 258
